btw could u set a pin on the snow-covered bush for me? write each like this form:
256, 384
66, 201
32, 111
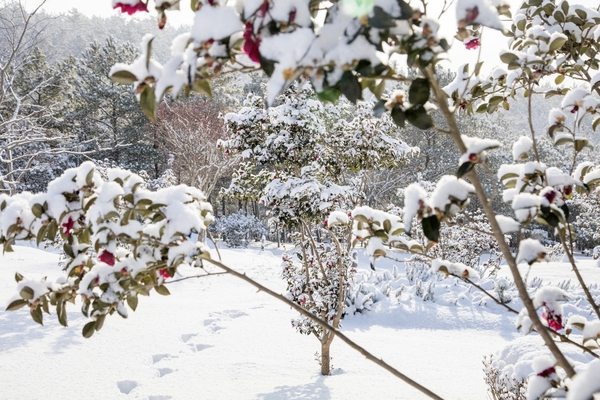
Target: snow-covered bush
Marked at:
121, 240
501, 385
238, 229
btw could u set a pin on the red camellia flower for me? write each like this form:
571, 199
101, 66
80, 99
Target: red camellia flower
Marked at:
164, 273
107, 257
251, 44
547, 372
68, 226
472, 44
131, 9
554, 321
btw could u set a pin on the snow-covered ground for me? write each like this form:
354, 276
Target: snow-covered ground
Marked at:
217, 338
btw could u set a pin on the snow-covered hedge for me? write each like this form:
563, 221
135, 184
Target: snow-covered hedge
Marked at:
238, 229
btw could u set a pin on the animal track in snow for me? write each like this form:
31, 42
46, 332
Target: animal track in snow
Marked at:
126, 386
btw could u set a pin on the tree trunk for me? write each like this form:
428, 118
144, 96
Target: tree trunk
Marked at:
325, 358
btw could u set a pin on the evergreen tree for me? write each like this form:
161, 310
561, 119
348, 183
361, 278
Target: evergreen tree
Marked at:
106, 116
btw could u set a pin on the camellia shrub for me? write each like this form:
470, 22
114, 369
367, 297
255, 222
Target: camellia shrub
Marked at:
120, 240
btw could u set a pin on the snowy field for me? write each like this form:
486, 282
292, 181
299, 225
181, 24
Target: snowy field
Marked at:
217, 338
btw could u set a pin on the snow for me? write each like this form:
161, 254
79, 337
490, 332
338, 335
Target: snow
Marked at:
531, 250
507, 224
521, 147
448, 187
414, 196
337, 217
205, 28
585, 383
213, 330
487, 14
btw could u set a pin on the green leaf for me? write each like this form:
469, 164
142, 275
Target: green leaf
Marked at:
398, 116
565, 7
89, 329
558, 42
482, 108
478, 68
68, 250
381, 19
559, 79
100, 321
580, 144
41, 235
162, 289
582, 14
202, 86
387, 225
61, 313
132, 301
149, 53
18, 277
508, 57
330, 94
464, 169
595, 124
398, 231
37, 315
351, 86
27, 293
563, 140
551, 219
559, 16
124, 76
148, 103
382, 235
406, 11
495, 100
37, 210
267, 65
431, 228
417, 116
15, 305
379, 253
418, 93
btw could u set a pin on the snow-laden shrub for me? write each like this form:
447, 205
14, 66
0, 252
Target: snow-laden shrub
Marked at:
500, 384
238, 229
121, 240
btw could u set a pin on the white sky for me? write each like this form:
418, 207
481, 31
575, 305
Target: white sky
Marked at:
492, 41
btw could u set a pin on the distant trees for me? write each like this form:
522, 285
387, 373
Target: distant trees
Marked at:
31, 98
189, 132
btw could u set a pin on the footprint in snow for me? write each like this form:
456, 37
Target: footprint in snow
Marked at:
126, 386
157, 357
164, 371
186, 337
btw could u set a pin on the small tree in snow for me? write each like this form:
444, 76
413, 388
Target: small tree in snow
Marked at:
309, 155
